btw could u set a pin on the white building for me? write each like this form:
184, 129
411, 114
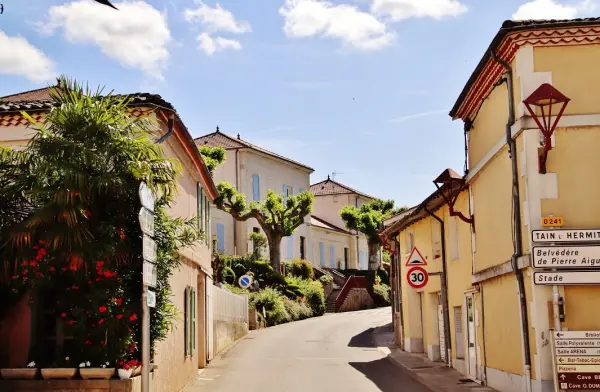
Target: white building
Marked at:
252, 170
335, 246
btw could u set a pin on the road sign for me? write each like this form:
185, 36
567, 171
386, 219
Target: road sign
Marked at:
565, 235
569, 278
146, 197
415, 258
579, 381
149, 249
578, 351
146, 221
576, 335
553, 221
245, 281
572, 343
566, 256
417, 277
151, 299
578, 360
150, 274
578, 368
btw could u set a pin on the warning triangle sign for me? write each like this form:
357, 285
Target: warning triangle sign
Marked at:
415, 258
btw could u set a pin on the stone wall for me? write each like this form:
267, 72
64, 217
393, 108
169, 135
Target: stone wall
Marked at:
227, 332
357, 299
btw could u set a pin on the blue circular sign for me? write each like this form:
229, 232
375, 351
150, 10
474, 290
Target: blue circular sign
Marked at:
245, 281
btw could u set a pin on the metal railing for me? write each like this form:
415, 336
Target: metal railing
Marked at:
228, 306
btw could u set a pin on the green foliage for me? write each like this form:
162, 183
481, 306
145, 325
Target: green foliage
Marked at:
326, 279
259, 242
296, 309
228, 276
369, 217
273, 303
383, 276
302, 269
387, 257
381, 295
213, 156
313, 293
276, 218
235, 289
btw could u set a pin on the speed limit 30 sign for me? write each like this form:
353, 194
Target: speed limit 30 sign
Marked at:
417, 277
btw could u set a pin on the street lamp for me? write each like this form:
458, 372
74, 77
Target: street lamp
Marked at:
543, 98
455, 183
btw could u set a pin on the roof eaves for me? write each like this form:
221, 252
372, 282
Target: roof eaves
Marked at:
333, 227
507, 27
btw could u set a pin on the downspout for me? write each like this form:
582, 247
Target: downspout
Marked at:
357, 241
171, 125
398, 279
237, 188
444, 287
483, 333
517, 243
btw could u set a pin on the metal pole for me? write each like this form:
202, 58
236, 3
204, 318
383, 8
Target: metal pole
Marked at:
554, 373
145, 341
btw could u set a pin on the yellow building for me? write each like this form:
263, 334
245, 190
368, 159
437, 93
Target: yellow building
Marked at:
514, 179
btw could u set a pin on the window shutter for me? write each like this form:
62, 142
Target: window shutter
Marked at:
185, 321
332, 256
255, 187
208, 224
200, 203
290, 247
321, 253
284, 194
459, 332
193, 314
220, 237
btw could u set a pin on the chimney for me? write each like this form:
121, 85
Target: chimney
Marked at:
238, 136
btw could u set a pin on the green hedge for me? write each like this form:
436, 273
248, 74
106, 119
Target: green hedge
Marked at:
381, 295
301, 269
273, 303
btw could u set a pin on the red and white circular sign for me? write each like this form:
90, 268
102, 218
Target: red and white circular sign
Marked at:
417, 277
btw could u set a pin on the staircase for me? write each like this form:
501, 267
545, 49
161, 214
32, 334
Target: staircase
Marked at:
331, 300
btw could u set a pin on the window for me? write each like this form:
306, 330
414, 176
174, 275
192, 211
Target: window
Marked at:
459, 332
189, 317
410, 242
321, 253
207, 220
436, 240
255, 187
220, 238
345, 258
361, 260
332, 256
287, 191
255, 230
302, 255
453, 238
201, 206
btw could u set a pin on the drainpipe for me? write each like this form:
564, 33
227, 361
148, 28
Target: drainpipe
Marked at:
171, 125
397, 277
517, 243
357, 241
444, 279
237, 188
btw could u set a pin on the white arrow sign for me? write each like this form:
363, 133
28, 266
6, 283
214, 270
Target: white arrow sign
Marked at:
566, 256
571, 278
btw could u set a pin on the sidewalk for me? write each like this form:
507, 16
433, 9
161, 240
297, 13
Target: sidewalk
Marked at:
434, 375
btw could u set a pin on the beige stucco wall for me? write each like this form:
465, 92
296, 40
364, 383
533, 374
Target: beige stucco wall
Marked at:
328, 238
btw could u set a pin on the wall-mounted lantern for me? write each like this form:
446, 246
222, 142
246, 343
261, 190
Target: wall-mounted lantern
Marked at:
455, 183
543, 99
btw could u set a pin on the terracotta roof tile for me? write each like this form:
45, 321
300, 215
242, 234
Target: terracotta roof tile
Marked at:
330, 187
41, 94
322, 223
220, 139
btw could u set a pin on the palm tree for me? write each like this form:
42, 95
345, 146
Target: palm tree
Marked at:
75, 185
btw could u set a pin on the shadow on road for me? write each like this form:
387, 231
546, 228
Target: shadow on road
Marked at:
387, 377
363, 339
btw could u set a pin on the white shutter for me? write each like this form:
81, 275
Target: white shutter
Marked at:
459, 337
441, 330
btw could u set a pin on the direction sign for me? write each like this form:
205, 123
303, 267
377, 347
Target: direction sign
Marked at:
570, 278
565, 235
417, 277
553, 221
578, 351
151, 299
245, 281
149, 249
576, 334
415, 258
146, 221
579, 381
578, 360
150, 274
566, 256
577, 343
578, 368
146, 197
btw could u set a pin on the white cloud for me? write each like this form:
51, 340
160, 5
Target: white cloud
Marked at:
355, 28
216, 19
136, 35
210, 45
19, 58
418, 115
552, 9
404, 9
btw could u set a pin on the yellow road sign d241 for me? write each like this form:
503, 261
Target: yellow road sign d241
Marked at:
553, 221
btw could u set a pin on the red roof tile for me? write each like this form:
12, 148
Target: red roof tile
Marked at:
219, 139
330, 187
41, 94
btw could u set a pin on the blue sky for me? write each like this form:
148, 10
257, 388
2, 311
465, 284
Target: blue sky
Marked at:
359, 87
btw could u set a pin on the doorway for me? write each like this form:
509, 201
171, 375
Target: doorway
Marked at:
471, 338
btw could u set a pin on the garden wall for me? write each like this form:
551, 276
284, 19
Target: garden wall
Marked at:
131, 385
357, 299
230, 318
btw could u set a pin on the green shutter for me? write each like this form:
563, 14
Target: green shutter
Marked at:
200, 208
193, 301
185, 321
207, 218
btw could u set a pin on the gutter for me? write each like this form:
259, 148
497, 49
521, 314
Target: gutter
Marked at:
516, 222
444, 289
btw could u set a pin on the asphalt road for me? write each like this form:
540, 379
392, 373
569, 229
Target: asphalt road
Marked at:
332, 353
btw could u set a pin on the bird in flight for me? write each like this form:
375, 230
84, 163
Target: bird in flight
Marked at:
106, 2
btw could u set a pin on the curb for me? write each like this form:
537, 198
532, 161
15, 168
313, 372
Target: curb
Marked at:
421, 380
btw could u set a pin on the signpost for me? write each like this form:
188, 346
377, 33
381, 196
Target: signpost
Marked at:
417, 277
565, 235
566, 256
570, 278
415, 258
553, 221
577, 359
149, 276
245, 281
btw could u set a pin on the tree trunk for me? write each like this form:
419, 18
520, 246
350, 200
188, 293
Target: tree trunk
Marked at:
373, 256
275, 251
